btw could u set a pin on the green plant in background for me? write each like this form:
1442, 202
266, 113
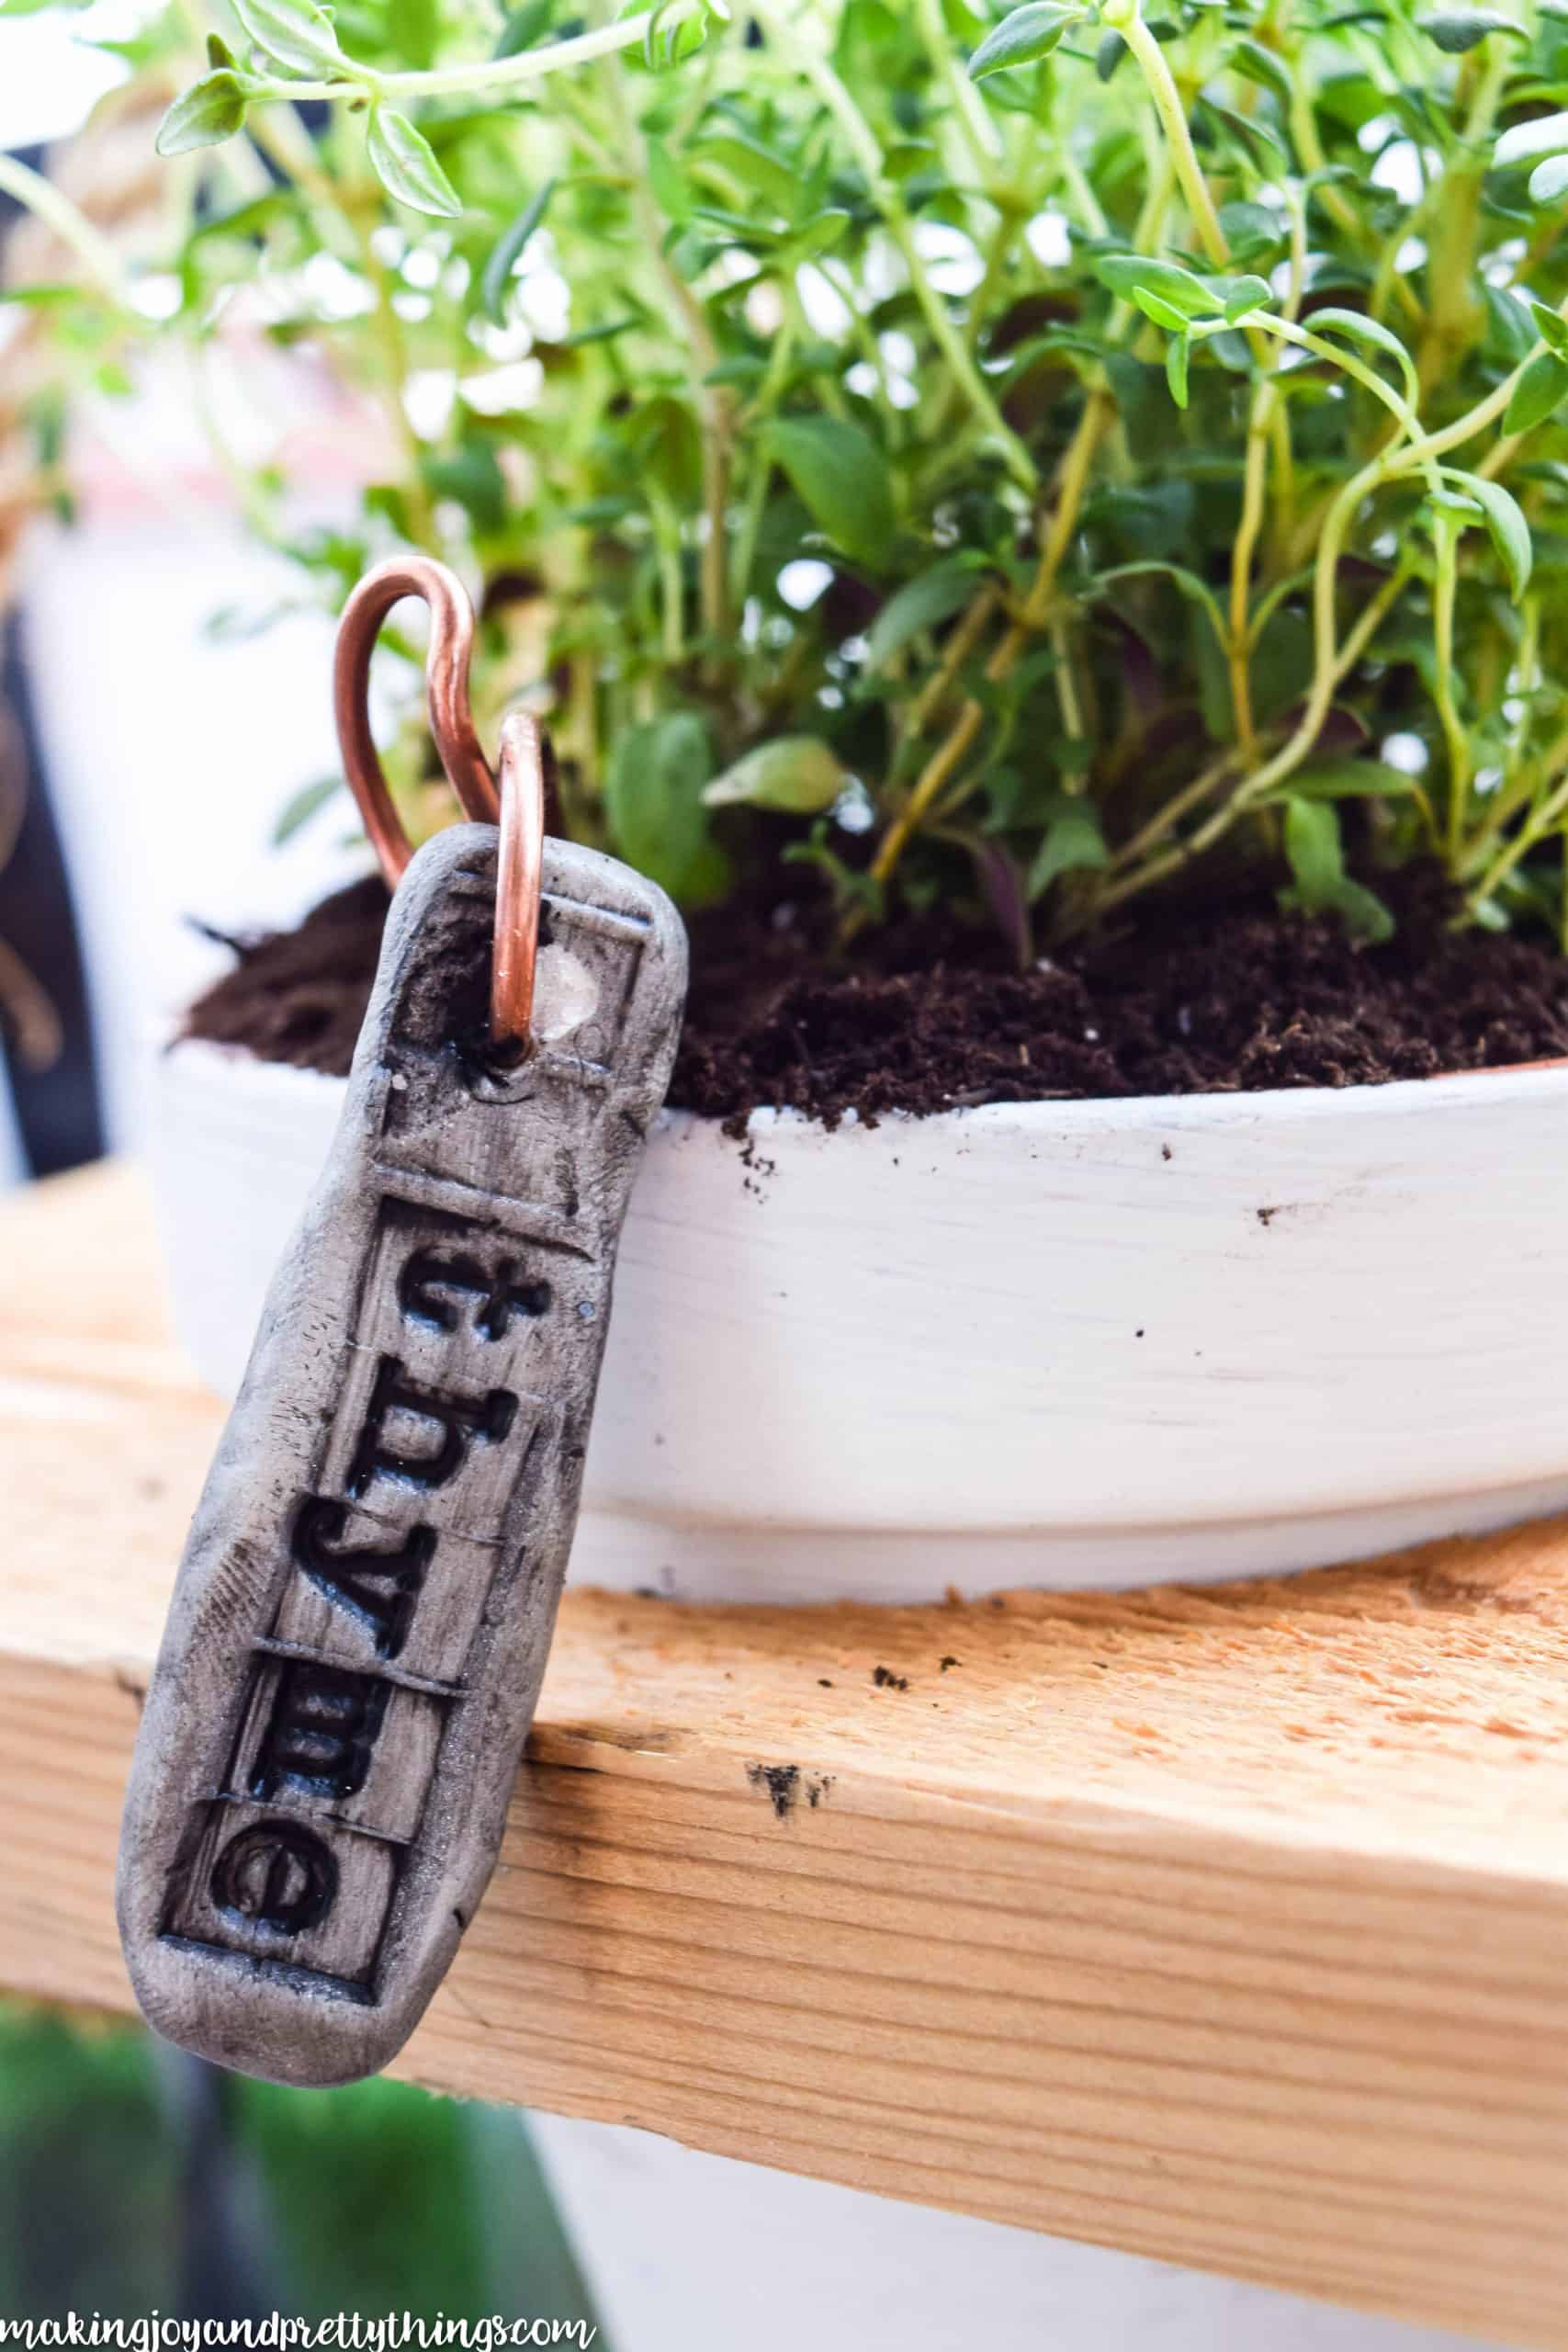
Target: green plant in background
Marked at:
1022, 458
376, 2199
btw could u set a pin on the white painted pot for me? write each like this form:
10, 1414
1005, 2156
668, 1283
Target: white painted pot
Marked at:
1051, 1343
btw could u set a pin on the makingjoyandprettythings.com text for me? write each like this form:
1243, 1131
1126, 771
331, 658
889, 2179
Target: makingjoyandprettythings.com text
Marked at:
278, 2332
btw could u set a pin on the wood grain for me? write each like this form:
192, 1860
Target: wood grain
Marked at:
1229, 1925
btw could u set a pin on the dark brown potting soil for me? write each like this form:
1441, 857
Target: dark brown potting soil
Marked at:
1229, 1001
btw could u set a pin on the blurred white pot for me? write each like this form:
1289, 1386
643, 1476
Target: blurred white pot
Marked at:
1062, 1343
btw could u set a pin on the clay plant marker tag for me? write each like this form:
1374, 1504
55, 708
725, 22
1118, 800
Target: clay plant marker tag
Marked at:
360, 1627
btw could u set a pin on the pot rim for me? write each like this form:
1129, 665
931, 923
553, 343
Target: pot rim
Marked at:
1390, 1097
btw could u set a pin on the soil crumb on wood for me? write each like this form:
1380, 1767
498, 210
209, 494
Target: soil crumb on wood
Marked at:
784, 1786
931, 1019
780, 1782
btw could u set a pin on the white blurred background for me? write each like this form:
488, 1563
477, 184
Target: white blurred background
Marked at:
168, 752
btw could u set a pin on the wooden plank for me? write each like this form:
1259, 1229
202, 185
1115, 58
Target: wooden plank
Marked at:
1228, 1926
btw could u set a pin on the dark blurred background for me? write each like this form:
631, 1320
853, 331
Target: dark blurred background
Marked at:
134, 2178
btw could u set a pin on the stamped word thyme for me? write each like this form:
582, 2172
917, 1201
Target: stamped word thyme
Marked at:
371, 1579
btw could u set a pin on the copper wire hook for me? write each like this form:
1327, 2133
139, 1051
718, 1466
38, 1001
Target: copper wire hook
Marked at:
517, 804
519, 881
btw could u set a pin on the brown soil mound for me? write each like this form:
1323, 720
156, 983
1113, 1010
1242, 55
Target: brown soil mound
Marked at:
1239, 999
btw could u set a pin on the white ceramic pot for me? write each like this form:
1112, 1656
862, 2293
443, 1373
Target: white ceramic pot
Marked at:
1054, 1343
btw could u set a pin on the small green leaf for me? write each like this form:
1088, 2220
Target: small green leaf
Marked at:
523, 26
843, 478
1181, 290
1263, 66
210, 111
669, 38
404, 161
1545, 134
1250, 133
1344, 780
820, 235
932, 596
1358, 328
1550, 180
1509, 532
507, 252
653, 800
1313, 851
1363, 913
756, 167
1510, 332
1551, 327
796, 773
470, 476
1073, 844
1027, 33
1164, 314
665, 442
670, 189
1107, 56
1251, 230
1316, 859
1457, 29
1177, 355
293, 33
1539, 390
605, 330
1247, 294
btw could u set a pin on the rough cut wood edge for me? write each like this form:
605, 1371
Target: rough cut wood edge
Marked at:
1229, 1925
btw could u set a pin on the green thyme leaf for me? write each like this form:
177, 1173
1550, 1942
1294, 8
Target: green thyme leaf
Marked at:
798, 773
1030, 32
295, 34
1539, 391
1457, 29
210, 111
404, 161
507, 252
1074, 843
1134, 276
1358, 328
842, 476
1551, 327
1505, 521
931, 597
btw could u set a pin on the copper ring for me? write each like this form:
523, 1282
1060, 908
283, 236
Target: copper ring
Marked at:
516, 805
446, 694
519, 874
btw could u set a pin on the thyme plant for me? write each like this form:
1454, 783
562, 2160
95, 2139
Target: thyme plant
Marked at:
1031, 459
